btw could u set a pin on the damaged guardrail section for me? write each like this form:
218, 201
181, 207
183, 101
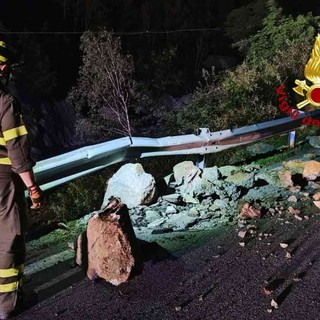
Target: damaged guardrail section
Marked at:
71, 165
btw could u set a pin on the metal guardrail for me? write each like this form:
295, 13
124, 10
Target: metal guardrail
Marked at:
71, 165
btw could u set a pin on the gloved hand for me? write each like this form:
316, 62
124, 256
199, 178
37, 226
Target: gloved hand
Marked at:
36, 196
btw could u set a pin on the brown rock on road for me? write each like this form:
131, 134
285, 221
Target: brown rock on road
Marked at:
107, 249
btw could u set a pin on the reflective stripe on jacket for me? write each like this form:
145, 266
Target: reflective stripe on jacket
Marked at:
14, 143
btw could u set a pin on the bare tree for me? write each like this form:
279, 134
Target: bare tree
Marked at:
105, 86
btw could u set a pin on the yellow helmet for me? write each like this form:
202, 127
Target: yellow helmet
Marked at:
4, 52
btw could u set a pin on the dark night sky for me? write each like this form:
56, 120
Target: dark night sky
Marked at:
48, 16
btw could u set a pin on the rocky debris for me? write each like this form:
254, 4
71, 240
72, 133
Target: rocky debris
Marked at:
249, 212
204, 198
172, 198
292, 199
294, 166
109, 245
317, 204
222, 190
311, 170
314, 141
242, 179
132, 185
192, 182
285, 177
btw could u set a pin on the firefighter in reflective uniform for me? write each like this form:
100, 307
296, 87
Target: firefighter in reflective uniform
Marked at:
16, 175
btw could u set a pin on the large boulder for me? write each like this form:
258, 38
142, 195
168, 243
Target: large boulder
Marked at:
132, 185
108, 249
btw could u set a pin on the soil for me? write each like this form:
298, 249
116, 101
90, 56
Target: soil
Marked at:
227, 277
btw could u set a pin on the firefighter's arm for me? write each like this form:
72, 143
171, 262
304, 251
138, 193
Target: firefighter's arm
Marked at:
18, 147
34, 191
15, 135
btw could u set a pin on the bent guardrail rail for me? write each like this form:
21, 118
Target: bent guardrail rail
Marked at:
74, 164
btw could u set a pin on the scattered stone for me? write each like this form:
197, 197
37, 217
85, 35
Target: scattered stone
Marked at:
311, 170
213, 207
314, 141
267, 291
293, 211
172, 198
249, 212
242, 234
228, 170
184, 172
180, 221
288, 255
295, 189
283, 245
294, 166
157, 223
317, 203
316, 196
187, 198
211, 174
193, 212
298, 217
292, 199
242, 244
171, 210
314, 185
274, 304
152, 215
285, 177
266, 194
241, 179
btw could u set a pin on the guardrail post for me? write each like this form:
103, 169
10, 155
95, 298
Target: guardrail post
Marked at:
292, 139
201, 161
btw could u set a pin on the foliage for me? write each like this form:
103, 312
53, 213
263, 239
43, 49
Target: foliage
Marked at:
72, 200
105, 86
206, 108
246, 95
164, 77
279, 32
245, 21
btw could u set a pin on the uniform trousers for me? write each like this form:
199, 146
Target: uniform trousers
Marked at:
13, 227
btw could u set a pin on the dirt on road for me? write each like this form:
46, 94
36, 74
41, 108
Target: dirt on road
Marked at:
270, 270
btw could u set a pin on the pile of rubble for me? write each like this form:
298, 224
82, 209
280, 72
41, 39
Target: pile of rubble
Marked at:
194, 199
198, 198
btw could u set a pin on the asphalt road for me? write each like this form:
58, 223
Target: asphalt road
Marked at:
219, 280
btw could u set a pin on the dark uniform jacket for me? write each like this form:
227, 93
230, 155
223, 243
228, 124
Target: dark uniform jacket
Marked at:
14, 143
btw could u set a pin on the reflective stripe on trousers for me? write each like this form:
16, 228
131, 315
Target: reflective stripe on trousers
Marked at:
12, 239
15, 278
